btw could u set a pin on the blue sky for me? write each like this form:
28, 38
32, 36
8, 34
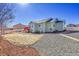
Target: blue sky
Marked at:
29, 12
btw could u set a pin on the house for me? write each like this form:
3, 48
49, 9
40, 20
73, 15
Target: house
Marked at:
77, 25
71, 25
47, 25
19, 27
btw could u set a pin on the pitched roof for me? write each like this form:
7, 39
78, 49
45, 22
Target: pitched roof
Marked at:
47, 20
19, 25
43, 20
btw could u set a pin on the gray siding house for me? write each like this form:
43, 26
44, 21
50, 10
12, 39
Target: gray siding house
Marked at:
47, 25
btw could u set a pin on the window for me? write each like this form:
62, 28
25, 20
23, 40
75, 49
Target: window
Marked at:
32, 26
50, 28
54, 25
39, 25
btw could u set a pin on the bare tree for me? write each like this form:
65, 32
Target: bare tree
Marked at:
6, 15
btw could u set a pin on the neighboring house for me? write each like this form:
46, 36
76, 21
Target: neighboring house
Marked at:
77, 25
47, 25
19, 27
71, 25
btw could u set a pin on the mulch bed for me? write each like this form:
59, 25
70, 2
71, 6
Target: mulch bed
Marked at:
8, 49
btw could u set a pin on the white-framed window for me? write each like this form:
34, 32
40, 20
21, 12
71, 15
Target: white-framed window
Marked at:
50, 29
39, 25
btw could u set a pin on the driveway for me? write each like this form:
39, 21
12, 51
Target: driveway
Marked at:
57, 45
75, 34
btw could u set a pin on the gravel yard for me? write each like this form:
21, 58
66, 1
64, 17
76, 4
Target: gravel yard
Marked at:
76, 34
54, 44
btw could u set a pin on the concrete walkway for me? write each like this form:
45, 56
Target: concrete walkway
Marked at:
57, 45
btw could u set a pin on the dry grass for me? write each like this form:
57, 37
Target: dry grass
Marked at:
22, 38
8, 49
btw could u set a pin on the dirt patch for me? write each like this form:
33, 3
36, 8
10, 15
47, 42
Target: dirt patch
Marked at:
8, 49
